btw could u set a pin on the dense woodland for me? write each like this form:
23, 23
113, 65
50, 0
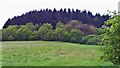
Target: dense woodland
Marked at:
55, 25
53, 16
74, 31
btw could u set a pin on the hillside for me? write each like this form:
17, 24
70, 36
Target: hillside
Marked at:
45, 53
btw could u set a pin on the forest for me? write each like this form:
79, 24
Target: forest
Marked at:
53, 16
66, 25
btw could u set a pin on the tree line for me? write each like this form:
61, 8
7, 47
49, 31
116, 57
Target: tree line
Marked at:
74, 31
52, 16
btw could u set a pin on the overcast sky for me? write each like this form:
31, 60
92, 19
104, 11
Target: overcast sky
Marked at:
11, 8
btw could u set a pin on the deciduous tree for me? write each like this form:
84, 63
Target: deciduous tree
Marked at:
111, 39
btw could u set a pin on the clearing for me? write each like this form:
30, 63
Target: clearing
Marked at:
49, 53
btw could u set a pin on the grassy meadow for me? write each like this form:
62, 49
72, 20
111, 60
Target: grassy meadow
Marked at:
47, 53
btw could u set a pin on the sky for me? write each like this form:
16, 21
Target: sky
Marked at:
11, 8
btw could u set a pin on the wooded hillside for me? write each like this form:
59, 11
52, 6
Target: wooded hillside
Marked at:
53, 16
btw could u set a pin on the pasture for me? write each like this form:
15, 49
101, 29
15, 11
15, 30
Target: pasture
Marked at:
49, 53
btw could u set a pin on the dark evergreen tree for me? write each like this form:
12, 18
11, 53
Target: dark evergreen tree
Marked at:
53, 16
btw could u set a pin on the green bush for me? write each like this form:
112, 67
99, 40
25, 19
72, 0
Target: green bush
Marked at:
11, 38
76, 36
93, 41
86, 38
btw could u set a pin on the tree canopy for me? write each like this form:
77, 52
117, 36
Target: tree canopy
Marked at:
53, 16
111, 39
69, 32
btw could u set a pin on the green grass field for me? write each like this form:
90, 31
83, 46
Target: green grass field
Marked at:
44, 53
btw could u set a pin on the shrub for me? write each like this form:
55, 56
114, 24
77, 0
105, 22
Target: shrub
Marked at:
93, 41
86, 38
76, 36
